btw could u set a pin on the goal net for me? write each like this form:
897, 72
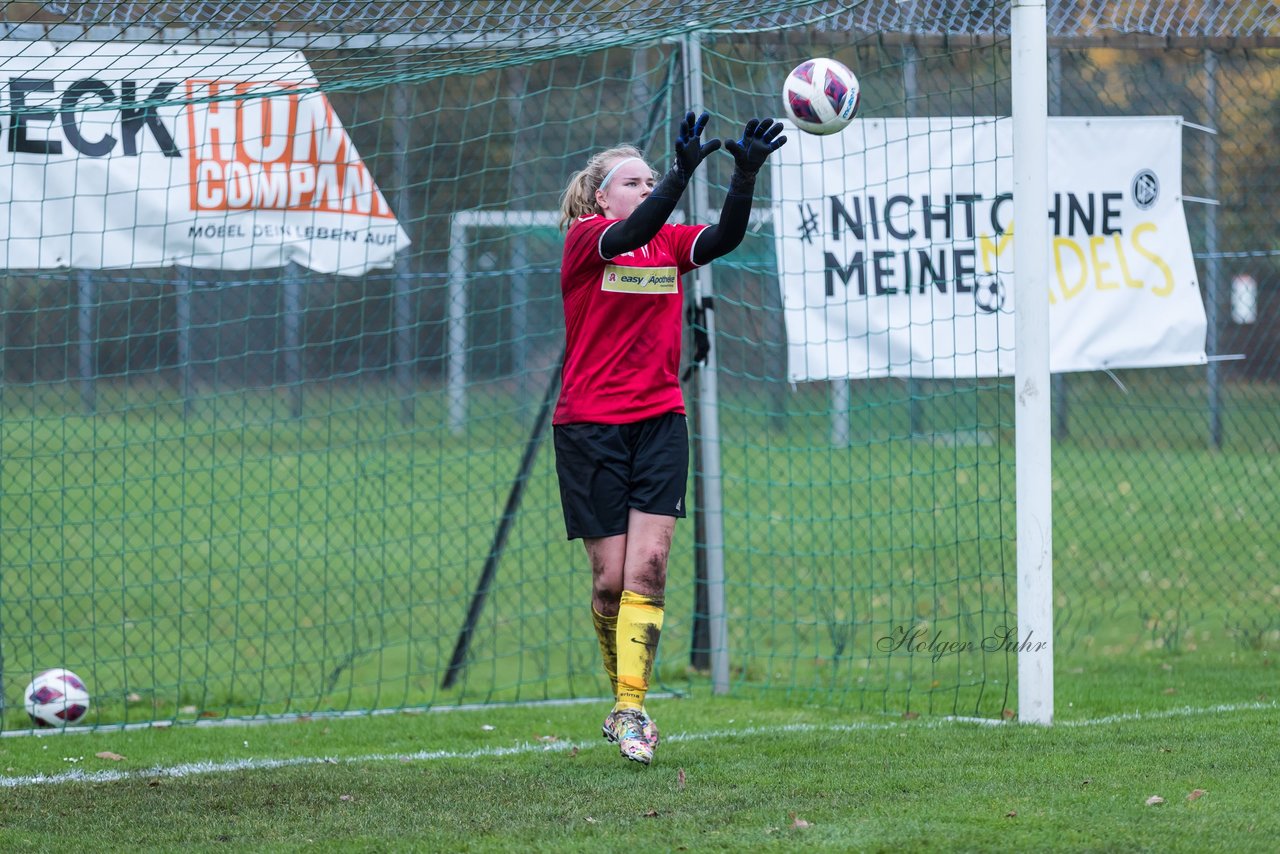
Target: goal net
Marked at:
274, 441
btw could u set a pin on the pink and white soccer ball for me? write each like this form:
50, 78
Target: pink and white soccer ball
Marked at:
821, 96
56, 698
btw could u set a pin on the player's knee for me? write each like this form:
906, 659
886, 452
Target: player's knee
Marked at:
650, 577
606, 599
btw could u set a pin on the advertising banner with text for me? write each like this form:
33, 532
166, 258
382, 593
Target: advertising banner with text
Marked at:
895, 239
125, 155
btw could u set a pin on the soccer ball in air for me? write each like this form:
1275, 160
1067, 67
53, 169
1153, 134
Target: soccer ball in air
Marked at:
56, 698
821, 96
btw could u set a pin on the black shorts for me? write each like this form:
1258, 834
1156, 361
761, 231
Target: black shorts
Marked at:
607, 469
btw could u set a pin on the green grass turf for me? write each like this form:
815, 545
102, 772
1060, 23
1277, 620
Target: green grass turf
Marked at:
732, 774
242, 562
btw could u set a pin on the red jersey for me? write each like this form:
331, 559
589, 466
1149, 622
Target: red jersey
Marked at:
622, 320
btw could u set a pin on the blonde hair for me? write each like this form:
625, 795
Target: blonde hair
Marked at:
579, 198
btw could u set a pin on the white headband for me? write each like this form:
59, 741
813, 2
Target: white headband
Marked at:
608, 176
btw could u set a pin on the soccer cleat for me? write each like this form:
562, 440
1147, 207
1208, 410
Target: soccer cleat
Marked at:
633, 743
610, 729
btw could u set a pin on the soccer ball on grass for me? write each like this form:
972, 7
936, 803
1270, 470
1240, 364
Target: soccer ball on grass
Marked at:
56, 698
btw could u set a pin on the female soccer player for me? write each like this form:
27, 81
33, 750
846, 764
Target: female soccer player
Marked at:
621, 437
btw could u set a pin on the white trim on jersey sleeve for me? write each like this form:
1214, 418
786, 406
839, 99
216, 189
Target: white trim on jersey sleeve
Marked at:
694, 244
600, 242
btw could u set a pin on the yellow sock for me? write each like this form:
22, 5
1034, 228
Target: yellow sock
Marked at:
607, 632
639, 628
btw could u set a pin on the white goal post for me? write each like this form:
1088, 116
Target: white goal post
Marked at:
462, 224
1032, 423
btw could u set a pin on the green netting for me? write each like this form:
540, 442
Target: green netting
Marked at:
275, 490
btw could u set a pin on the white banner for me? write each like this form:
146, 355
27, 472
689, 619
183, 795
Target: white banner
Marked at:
122, 155
895, 248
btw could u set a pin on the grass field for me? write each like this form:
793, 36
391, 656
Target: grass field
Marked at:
731, 775
239, 562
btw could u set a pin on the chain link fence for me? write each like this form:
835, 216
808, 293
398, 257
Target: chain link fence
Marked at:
1166, 489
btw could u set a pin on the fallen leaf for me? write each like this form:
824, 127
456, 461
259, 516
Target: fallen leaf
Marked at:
910, 716
1154, 800
680, 779
346, 797
188, 710
1011, 814
107, 754
153, 783
573, 753
1008, 714
798, 823
1170, 691
1196, 794
1166, 750
651, 814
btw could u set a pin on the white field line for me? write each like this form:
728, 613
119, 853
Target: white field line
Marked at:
188, 769
295, 717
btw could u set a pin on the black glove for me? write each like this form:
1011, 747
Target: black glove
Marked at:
690, 150
759, 139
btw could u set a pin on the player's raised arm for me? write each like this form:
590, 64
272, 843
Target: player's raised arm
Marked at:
760, 138
643, 223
